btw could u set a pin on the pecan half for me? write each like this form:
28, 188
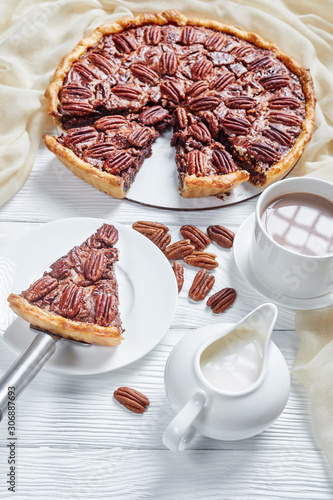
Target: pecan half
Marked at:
240, 102
75, 92
200, 132
263, 152
75, 256
152, 35
242, 51
94, 265
274, 82
173, 90
85, 71
201, 68
144, 74
221, 235
80, 136
222, 81
188, 36
161, 239
221, 300
70, 302
127, 92
99, 151
60, 269
236, 124
178, 269
140, 137
223, 161
106, 65
117, 162
197, 88
285, 118
105, 307
125, 43
205, 260
198, 238
153, 115
147, 228
204, 103
110, 122
40, 288
196, 163
168, 63
283, 102
260, 63
202, 284
133, 400
76, 108
179, 250
181, 117
108, 234
215, 41
277, 134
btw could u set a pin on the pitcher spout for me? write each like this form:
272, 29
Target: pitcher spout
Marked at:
262, 321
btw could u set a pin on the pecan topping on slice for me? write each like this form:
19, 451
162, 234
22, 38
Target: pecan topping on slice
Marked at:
140, 137
40, 288
95, 265
200, 132
283, 102
223, 161
127, 92
201, 68
125, 43
178, 269
213, 123
181, 117
152, 35
105, 307
236, 124
276, 134
205, 260
76, 108
196, 163
70, 302
103, 63
132, 400
99, 151
72, 92
117, 162
108, 234
263, 152
198, 238
221, 300
85, 71
240, 102
274, 82
148, 228
153, 115
144, 74
262, 62
197, 88
80, 136
60, 269
173, 90
221, 235
222, 81
75, 256
179, 250
110, 122
188, 36
168, 63
202, 284
285, 118
214, 41
204, 103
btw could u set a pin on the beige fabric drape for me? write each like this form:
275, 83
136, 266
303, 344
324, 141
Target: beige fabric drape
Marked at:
35, 34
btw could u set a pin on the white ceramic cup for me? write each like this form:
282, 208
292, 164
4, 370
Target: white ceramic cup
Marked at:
285, 272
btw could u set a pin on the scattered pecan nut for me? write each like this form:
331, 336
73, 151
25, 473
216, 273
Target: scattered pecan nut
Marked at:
221, 235
161, 239
179, 274
132, 400
220, 301
179, 250
202, 284
205, 260
148, 228
198, 238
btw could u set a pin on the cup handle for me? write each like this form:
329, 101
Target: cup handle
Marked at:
180, 432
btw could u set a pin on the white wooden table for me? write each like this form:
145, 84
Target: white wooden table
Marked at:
75, 441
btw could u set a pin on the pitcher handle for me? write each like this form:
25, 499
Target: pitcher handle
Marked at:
180, 432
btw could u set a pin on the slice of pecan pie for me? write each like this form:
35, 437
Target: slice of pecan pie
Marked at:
78, 297
240, 109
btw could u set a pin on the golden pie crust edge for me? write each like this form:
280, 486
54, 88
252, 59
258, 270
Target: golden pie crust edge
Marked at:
276, 172
67, 328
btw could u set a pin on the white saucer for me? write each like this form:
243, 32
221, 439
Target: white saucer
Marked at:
241, 257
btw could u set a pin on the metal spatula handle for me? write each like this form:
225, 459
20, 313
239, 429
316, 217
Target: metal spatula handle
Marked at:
26, 367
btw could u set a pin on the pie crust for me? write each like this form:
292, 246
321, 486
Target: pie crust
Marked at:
78, 297
267, 90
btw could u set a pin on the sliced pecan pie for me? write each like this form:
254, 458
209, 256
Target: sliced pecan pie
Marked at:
240, 109
78, 297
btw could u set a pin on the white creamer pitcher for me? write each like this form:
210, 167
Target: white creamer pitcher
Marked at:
226, 382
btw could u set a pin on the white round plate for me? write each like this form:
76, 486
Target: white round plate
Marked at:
147, 290
241, 256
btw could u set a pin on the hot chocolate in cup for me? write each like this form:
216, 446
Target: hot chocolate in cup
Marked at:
291, 249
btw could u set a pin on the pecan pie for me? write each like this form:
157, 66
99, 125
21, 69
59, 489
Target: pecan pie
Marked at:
240, 109
78, 297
